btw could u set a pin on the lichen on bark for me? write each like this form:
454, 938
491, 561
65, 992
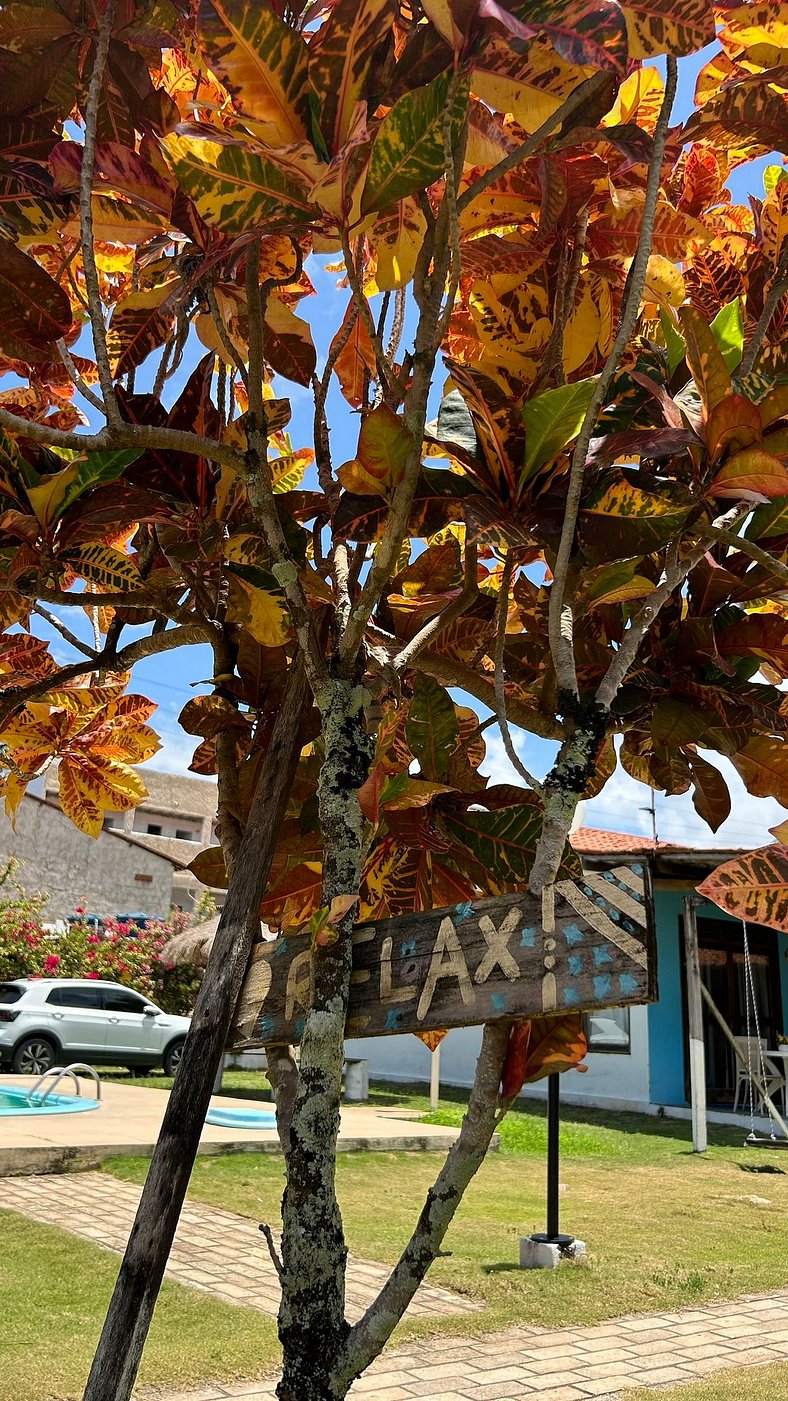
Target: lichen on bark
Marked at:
312, 1324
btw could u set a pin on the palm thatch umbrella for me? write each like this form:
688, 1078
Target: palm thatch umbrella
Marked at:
192, 946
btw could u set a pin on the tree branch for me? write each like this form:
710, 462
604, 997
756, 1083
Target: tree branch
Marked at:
745, 547
154, 643
464, 1158
777, 289
65, 632
561, 621
676, 571
95, 309
256, 471
125, 435
500, 690
581, 94
76, 378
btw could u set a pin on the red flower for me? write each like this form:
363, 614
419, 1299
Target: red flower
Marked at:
51, 962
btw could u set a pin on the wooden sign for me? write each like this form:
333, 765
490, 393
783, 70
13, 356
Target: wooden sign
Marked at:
585, 945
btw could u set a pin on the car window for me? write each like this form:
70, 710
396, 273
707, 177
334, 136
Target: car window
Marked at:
75, 997
120, 1000
10, 992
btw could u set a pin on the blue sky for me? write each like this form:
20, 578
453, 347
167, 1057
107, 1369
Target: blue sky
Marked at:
173, 678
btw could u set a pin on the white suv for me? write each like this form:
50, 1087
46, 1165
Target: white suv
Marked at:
48, 1020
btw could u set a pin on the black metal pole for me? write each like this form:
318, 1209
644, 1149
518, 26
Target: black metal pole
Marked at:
553, 1160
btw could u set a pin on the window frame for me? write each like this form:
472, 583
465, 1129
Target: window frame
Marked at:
624, 1049
57, 996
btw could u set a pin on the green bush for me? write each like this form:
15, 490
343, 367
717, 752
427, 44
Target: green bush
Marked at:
121, 953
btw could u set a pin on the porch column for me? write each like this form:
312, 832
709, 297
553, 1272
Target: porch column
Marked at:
697, 1056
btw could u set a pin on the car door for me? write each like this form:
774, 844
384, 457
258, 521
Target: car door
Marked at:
78, 1020
132, 1033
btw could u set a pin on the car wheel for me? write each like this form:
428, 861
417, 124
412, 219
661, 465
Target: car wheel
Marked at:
172, 1057
34, 1056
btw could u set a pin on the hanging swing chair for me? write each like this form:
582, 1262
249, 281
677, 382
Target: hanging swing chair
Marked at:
764, 1074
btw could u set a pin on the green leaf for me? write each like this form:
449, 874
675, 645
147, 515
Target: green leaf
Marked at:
432, 728
407, 154
772, 176
728, 331
97, 469
675, 342
552, 420
504, 842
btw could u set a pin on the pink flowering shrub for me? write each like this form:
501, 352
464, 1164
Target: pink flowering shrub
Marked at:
121, 954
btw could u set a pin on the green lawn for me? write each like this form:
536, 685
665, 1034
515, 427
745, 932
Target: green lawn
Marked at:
55, 1289
741, 1384
664, 1227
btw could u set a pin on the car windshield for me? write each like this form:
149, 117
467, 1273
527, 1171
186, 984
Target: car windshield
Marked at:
10, 992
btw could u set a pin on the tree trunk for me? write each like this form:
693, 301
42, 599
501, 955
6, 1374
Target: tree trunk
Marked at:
126, 1326
312, 1324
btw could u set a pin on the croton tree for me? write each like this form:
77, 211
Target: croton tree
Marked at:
559, 345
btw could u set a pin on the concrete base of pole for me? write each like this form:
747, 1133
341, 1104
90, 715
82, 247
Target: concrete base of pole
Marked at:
536, 1253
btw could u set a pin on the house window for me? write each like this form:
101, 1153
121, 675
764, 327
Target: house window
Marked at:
608, 1030
144, 880
154, 829
186, 834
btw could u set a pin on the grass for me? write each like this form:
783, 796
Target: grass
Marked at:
664, 1227
55, 1289
741, 1384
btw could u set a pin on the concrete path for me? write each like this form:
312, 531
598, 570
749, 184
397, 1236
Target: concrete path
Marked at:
129, 1118
214, 1250
568, 1364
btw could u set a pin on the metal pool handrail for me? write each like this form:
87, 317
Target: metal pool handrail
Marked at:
59, 1072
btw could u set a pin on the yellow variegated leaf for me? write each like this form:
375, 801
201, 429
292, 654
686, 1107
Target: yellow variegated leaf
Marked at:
78, 800
397, 235
583, 329
664, 282
287, 471
774, 220
260, 610
263, 63
530, 86
110, 570
638, 100
678, 27
704, 358
13, 787
340, 58
140, 323
115, 221
237, 188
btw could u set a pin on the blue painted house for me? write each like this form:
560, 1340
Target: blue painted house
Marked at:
638, 1055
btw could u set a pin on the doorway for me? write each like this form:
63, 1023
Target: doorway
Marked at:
722, 969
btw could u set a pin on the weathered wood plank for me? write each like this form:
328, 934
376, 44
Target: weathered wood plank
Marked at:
590, 945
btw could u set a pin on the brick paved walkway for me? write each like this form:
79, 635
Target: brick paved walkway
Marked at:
568, 1364
214, 1250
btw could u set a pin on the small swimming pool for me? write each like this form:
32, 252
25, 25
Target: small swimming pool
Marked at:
14, 1100
242, 1118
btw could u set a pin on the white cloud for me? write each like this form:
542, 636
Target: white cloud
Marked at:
623, 805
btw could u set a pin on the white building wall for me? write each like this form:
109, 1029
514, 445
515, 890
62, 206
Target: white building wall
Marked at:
613, 1080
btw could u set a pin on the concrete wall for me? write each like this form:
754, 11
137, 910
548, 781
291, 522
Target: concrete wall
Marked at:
613, 1080
98, 874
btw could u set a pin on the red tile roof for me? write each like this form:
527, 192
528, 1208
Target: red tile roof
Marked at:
592, 841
